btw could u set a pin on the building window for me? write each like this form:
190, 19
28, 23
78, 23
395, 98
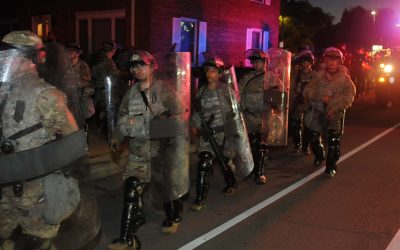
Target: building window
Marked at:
266, 2
95, 27
190, 35
41, 25
256, 39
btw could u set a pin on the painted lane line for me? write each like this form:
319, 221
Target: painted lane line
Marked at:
239, 218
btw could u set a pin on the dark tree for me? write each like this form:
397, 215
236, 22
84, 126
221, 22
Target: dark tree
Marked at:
303, 24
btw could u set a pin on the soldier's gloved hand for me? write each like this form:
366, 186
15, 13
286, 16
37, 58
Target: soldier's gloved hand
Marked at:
114, 145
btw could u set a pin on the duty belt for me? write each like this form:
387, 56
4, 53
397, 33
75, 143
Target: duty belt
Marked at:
39, 161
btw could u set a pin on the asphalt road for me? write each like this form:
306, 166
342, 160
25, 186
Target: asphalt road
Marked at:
357, 209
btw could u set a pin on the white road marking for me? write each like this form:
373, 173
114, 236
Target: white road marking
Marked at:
394, 244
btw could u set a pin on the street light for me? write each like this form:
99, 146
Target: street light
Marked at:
373, 13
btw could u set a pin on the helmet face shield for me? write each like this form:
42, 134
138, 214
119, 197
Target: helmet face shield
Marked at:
9, 64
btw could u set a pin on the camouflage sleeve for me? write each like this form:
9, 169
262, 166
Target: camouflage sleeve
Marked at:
311, 89
84, 75
123, 113
345, 96
55, 115
195, 118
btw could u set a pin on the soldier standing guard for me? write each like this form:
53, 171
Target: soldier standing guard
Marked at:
329, 93
154, 115
35, 123
223, 133
305, 60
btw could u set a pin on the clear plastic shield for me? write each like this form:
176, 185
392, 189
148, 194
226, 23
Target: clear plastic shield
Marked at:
169, 99
59, 73
111, 99
235, 127
276, 97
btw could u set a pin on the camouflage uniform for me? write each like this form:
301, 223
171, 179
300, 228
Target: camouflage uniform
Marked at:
213, 100
160, 162
340, 89
31, 101
303, 76
85, 87
105, 67
256, 112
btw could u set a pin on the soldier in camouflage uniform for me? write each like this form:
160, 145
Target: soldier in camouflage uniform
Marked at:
103, 68
83, 80
161, 163
252, 86
212, 98
32, 114
305, 60
329, 93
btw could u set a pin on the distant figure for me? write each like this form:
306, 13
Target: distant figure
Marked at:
103, 68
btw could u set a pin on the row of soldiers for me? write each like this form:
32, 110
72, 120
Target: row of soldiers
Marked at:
237, 122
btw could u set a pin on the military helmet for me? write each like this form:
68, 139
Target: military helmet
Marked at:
142, 57
74, 47
304, 56
108, 46
211, 60
333, 53
255, 54
23, 38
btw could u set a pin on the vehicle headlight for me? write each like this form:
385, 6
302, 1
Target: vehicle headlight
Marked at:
388, 68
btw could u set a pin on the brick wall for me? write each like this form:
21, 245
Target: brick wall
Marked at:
227, 22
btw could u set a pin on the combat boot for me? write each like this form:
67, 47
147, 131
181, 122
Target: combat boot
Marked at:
333, 152
261, 156
132, 216
202, 183
317, 148
230, 180
172, 210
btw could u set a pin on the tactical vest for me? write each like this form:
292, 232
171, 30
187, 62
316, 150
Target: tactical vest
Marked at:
20, 112
211, 104
138, 109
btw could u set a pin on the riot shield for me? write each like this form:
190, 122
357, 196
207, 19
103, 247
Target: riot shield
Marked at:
169, 103
111, 98
276, 97
59, 73
235, 126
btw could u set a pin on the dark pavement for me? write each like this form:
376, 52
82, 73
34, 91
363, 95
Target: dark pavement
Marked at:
103, 181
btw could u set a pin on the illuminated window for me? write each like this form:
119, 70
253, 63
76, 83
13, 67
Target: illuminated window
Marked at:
256, 38
41, 25
190, 35
266, 2
95, 27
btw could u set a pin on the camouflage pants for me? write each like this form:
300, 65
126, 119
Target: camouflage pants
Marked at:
25, 211
228, 151
162, 163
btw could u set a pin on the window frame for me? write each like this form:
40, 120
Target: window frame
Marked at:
200, 39
263, 41
93, 15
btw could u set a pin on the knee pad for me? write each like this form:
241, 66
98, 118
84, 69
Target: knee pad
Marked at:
133, 189
334, 142
205, 162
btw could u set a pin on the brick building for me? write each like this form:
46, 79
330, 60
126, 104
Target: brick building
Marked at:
227, 28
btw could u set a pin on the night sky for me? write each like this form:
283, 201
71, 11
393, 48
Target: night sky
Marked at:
336, 7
